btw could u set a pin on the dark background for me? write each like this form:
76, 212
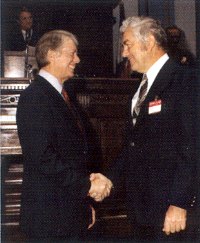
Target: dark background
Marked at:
91, 21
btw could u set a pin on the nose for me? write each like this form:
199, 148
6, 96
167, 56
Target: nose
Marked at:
76, 58
29, 22
125, 51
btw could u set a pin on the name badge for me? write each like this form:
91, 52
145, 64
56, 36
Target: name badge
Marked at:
155, 106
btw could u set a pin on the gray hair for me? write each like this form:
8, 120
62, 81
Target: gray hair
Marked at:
143, 26
51, 40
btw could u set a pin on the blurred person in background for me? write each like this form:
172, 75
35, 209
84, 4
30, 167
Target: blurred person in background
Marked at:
178, 47
24, 34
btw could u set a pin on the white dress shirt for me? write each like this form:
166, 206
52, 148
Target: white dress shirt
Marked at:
24, 34
151, 75
51, 79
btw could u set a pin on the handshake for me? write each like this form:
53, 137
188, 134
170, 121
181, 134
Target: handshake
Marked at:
100, 187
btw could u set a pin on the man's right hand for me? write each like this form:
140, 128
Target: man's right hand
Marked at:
100, 186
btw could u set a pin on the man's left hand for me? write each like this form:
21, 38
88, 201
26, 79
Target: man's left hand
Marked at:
175, 220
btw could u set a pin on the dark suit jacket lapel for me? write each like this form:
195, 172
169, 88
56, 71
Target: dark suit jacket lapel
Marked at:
57, 100
163, 79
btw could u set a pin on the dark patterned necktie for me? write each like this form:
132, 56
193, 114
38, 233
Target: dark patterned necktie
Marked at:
141, 97
72, 109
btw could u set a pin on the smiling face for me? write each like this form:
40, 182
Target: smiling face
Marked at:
136, 51
64, 60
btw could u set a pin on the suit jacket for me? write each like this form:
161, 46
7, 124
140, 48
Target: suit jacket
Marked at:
16, 42
158, 159
55, 178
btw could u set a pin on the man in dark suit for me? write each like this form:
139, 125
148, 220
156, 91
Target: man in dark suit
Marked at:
178, 46
24, 34
56, 180
158, 160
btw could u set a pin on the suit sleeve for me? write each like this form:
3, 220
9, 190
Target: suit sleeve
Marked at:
184, 187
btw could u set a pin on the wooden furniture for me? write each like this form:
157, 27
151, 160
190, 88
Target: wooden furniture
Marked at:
15, 63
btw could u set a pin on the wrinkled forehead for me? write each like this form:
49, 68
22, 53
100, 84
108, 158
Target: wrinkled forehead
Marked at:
128, 35
68, 44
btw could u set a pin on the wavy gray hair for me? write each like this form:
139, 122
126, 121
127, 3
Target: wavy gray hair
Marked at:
143, 26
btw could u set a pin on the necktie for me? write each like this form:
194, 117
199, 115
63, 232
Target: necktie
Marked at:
28, 36
72, 109
65, 96
141, 97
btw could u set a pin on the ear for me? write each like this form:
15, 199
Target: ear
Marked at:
51, 55
151, 42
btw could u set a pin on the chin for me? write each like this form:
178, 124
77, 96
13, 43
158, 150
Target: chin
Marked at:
70, 75
132, 66
134, 69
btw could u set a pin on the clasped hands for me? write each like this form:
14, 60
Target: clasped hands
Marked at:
100, 187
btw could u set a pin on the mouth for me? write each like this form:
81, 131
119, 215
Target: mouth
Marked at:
72, 67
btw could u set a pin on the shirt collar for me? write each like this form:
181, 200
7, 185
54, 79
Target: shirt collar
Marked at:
24, 33
155, 68
51, 79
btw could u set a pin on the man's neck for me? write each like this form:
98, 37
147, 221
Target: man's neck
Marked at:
155, 56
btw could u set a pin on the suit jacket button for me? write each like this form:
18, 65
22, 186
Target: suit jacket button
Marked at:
132, 144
